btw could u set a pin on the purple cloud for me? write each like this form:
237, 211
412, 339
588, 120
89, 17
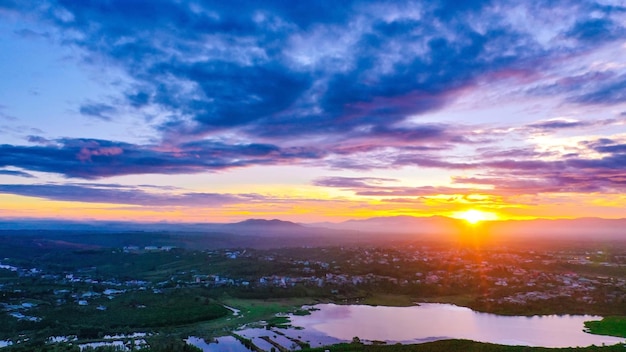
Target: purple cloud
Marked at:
117, 194
92, 159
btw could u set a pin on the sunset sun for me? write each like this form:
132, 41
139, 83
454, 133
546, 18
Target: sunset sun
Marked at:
474, 216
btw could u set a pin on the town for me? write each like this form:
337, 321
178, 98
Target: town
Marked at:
40, 296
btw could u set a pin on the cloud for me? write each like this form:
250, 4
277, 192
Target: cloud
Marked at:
607, 92
599, 166
615, 148
250, 67
29, 33
92, 159
373, 186
6, 116
571, 173
514, 153
596, 30
128, 195
351, 182
95, 158
101, 111
554, 125
16, 173
341, 85
557, 124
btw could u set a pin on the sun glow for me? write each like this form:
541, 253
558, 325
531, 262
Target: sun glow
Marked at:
474, 216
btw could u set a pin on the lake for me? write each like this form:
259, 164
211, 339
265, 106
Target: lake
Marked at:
331, 323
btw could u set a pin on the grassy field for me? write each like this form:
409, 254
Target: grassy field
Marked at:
251, 311
613, 326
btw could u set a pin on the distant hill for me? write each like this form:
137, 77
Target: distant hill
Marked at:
97, 226
447, 228
581, 228
274, 223
378, 229
400, 224
274, 228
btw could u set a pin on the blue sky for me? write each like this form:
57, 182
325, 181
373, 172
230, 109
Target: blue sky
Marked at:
309, 111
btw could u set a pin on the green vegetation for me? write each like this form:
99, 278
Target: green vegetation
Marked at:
303, 312
457, 345
281, 322
389, 300
251, 311
613, 326
173, 294
140, 309
133, 311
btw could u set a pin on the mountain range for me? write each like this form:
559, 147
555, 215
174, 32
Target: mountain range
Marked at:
425, 227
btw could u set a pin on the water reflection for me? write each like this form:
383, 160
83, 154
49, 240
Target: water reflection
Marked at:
432, 321
330, 324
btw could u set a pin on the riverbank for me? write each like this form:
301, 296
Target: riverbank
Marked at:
612, 326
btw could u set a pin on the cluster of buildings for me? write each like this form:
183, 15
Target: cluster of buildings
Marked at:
500, 275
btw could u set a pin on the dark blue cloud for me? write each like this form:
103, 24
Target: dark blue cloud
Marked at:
419, 82
219, 66
449, 9
596, 30
244, 94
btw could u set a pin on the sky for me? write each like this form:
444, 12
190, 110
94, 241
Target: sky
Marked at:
311, 111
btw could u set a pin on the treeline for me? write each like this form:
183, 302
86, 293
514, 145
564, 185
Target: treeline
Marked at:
141, 309
127, 313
